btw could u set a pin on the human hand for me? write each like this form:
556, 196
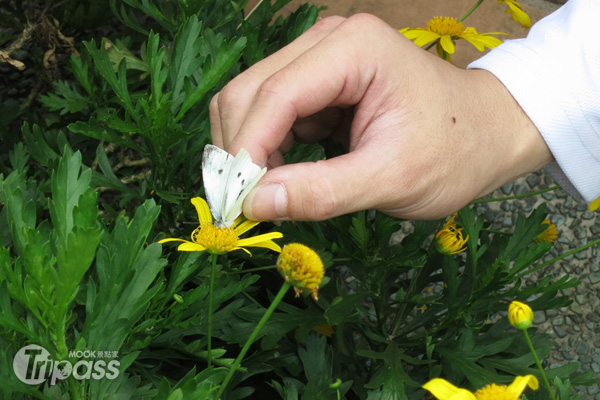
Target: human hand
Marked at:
424, 137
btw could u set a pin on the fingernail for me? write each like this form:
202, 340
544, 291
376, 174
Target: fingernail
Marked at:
267, 202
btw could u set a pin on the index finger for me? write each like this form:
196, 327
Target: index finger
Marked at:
336, 71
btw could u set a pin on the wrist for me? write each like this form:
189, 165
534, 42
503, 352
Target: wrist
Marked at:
514, 146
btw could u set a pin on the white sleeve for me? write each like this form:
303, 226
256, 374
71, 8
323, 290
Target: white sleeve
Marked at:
554, 74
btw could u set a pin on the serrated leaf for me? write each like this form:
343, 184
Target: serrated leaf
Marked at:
66, 99
212, 73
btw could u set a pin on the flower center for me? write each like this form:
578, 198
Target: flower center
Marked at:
301, 267
495, 392
445, 26
216, 240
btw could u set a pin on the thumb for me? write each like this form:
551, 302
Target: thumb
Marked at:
310, 191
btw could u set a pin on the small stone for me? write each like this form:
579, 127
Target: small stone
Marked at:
558, 219
569, 202
565, 240
561, 194
558, 321
585, 359
533, 181
567, 355
594, 277
520, 189
577, 309
539, 318
587, 215
551, 313
581, 255
507, 222
594, 267
506, 206
580, 233
582, 348
507, 189
548, 196
593, 317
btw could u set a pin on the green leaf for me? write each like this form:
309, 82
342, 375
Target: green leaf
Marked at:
69, 182
126, 271
212, 73
525, 232
391, 376
117, 81
66, 99
342, 307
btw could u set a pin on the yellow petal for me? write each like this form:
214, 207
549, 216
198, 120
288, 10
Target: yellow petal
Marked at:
518, 14
262, 241
444, 390
245, 226
421, 36
521, 382
202, 209
172, 240
481, 41
189, 246
447, 44
241, 248
594, 204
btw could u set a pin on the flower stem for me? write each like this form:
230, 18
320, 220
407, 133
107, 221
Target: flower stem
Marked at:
210, 307
470, 11
558, 258
255, 332
519, 196
243, 271
537, 361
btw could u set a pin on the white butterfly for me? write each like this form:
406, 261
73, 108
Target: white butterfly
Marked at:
227, 182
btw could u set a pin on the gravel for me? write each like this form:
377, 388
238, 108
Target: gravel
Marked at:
575, 329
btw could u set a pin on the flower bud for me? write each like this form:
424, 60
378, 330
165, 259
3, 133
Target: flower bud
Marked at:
449, 239
520, 315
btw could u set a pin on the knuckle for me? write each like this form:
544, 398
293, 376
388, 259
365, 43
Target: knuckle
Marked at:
327, 23
213, 106
227, 96
273, 85
362, 19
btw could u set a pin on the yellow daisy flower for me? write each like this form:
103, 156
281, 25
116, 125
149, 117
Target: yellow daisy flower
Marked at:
445, 30
515, 9
444, 390
549, 235
302, 267
449, 239
324, 329
216, 240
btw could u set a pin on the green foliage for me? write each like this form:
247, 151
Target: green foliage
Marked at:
105, 167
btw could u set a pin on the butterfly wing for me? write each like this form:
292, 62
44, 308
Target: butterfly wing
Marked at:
243, 176
216, 164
